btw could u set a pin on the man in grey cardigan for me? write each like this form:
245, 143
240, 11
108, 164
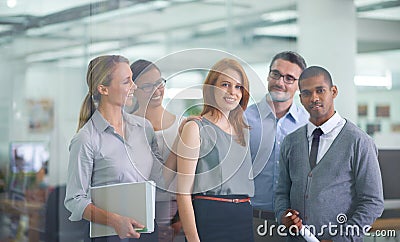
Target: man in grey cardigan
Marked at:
329, 182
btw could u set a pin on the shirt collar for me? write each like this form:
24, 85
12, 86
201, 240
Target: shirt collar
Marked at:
99, 122
326, 127
294, 112
135, 120
265, 110
102, 124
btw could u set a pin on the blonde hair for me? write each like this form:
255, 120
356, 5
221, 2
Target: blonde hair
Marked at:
100, 70
236, 115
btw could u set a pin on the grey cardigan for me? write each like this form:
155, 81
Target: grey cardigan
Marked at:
346, 181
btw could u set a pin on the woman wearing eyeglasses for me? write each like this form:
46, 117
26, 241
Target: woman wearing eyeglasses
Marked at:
149, 97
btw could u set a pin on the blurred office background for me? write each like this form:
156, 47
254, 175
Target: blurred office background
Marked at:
46, 45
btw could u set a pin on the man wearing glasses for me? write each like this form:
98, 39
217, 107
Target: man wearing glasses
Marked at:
270, 121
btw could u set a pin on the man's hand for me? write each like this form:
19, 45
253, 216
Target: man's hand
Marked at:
291, 217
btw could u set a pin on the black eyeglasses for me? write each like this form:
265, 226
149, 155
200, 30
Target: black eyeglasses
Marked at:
160, 84
276, 75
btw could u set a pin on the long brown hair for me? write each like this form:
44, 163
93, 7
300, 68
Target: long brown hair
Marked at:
99, 72
236, 115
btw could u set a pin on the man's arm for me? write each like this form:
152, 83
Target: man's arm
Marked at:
368, 185
282, 194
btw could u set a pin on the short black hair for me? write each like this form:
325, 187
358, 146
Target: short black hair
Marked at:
290, 56
313, 71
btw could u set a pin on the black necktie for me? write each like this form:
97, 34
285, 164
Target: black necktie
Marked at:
314, 147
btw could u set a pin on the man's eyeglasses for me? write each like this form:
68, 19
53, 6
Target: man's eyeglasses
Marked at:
276, 75
160, 84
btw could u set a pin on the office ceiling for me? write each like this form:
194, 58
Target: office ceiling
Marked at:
48, 30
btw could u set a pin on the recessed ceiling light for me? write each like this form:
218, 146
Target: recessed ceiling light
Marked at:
11, 3
374, 81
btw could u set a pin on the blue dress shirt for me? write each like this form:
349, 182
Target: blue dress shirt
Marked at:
266, 136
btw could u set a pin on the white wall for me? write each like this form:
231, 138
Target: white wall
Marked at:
66, 87
6, 82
